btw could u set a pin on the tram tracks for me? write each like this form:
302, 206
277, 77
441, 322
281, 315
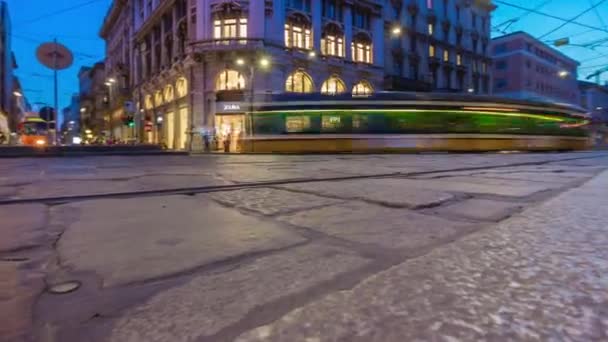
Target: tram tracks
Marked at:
58, 200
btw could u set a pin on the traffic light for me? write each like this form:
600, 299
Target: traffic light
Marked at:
128, 120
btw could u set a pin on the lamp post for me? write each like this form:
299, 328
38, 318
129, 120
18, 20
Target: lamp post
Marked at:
110, 84
263, 63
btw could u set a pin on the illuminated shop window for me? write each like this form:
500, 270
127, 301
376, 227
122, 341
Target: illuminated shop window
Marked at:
299, 82
229, 80
363, 88
332, 86
230, 28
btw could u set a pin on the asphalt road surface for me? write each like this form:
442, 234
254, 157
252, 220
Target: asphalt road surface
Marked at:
431, 247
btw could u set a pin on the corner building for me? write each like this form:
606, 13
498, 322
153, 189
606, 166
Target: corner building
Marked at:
198, 65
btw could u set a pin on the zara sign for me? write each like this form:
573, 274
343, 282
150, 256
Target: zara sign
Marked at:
228, 107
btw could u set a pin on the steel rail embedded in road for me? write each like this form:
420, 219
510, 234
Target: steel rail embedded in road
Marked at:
248, 185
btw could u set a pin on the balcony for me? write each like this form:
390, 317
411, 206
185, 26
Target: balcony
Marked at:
227, 44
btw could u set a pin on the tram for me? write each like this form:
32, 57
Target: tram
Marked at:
402, 122
33, 132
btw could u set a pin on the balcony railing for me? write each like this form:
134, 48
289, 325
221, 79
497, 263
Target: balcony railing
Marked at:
227, 44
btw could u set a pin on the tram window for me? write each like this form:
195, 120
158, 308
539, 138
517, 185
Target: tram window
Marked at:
331, 123
297, 124
360, 123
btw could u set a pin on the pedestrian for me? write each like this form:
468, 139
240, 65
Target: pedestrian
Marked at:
227, 142
207, 142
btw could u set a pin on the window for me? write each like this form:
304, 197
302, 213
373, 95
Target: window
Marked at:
229, 28
501, 83
501, 65
361, 18
474, 21
302, 5
141, 9
431, 50
414, 71
331, 9
229, 80
484, 67
458, 13
332, 43
458, 59
396, 11
474, 45
431, 29
331, 122
446, 55
429, 4
445, 8
299, 82
362, 49
333, 86
500, 48
298, 33
296, 124
363, 88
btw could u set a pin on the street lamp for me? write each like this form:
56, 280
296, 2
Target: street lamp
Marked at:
312, 54
111, 80
470, 90
17, 94
396, 31
563, 73
264, 64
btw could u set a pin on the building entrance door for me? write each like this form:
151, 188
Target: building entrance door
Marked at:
183, 128
170, 130
230, 130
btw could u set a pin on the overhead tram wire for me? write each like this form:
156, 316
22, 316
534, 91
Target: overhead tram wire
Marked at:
551, 16
599, 17
59, 12
569, 21
513, 20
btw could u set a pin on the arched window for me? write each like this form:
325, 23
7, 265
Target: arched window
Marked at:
332, 42
169, 93
229, 22
363, 88
332, 86
229, 80
158, 98
298, 32
362, 48
181, 87
299, 82
148, 102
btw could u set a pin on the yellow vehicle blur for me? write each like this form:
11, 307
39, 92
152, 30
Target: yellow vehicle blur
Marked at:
33, 131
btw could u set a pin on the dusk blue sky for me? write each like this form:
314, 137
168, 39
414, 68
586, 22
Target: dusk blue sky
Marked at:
78, 29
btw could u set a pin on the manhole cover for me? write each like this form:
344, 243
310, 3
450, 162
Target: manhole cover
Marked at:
66, 287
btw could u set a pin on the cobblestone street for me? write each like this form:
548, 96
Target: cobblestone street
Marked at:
439, 247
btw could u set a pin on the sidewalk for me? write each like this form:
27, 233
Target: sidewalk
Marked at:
542, 275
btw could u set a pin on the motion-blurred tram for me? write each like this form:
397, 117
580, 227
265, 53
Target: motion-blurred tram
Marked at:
33, 131
402, 122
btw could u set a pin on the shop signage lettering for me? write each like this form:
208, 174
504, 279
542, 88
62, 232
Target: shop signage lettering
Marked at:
232, 106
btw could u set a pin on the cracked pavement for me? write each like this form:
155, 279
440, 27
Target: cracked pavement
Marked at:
438, 247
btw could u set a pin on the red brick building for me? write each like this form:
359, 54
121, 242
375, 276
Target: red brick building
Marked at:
525, 68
